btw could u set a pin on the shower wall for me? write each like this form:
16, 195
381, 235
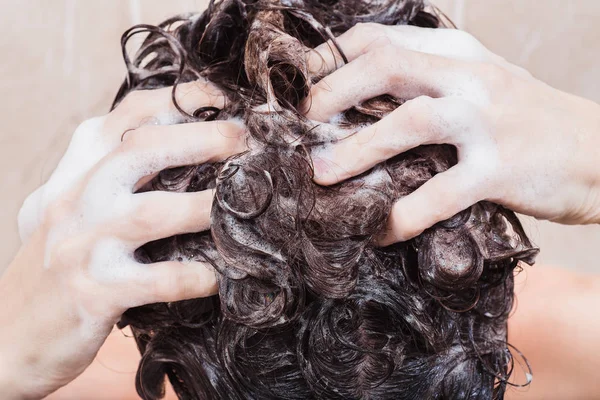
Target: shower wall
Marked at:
61, 64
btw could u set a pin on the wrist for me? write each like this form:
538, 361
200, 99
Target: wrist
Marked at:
584, 117
12, 378
30, 317
7, 383
593, 198
17, 379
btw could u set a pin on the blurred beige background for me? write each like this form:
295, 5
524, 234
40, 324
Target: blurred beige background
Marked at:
61, 64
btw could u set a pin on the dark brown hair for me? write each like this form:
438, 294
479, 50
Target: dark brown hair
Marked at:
308, 305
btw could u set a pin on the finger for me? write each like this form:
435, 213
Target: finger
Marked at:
451, 43
95, 138
362, 38
173, 281
443, 196
156, 107
156, 215
421, 121
355, 42
151, 149
397, 72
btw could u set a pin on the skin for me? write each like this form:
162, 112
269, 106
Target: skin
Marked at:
75, 275
555, 325
520, 142
62, 293
552, 307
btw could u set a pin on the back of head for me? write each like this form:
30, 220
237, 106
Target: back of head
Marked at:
308, 305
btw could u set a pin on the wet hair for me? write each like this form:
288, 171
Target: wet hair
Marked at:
308, 306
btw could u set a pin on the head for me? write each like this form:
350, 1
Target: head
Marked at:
308, 305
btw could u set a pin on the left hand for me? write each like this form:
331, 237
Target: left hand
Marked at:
76, 272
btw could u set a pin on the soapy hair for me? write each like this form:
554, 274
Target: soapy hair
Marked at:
308, 306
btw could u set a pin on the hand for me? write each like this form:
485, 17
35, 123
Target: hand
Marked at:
520, 143
76, 274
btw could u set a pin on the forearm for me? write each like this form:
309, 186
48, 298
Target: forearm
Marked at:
18, 384
77, 273
32, 360
10, 390
40, 330
18, 379
12, 373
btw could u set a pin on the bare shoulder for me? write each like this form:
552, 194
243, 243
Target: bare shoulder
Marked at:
110, 376
556, 324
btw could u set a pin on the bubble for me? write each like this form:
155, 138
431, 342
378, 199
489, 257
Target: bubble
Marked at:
87, 147
245, 192
30, 214
111, 261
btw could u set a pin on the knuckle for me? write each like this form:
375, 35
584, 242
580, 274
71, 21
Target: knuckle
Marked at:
419, 113
492, 77
421, 103
372, 33
133, 100
368, 29
420, 107
57, 212
86, 129
80, 284
128, 108
520, 71
229, 129
465, 40
135, 139
29, 214
66, 253
460, 111
233, 137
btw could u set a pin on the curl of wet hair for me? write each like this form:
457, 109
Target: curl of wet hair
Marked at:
308, 306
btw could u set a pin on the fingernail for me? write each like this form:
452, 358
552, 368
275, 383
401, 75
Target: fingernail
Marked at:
320, 167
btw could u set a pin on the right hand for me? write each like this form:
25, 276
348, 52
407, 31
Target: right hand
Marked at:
75, 274
520, 143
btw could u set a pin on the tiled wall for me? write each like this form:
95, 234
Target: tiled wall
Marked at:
61, 64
